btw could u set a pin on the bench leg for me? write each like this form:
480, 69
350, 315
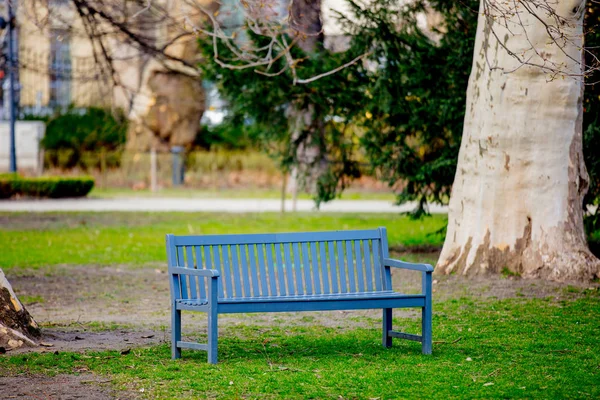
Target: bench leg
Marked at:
213, 335
175, 333
387, 326
426, 328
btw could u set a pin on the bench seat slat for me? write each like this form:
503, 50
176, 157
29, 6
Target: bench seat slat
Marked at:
182, 278
280, 275
271, 268
245, 273
199, 263
315, 268
289, 273
332, 266
324, 304
235, 270
192, 279
360, 273
351, 269
367, 252
226, 269
306, 268
253, 270
377, 264
297, 265
342, 268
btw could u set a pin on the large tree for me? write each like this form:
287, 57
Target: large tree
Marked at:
516, 201
17, 327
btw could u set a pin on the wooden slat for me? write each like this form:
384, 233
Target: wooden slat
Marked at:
342, 267
280, 275
306, 268
385, 271
189, 258
260, 248
235, 271
332, 267
227, 275
293, 237
208, 263
377, 268
297, 265
198, 252
182, 278
368, 265
289, 273
245, 272
360, 268
271, 268
315, 267
350, 267
253, 270
324, 268
219, 267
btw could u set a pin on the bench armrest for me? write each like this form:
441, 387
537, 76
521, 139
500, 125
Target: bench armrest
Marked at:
196, 272
389, 262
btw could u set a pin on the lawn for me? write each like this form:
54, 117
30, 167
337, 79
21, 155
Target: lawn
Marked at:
516, 348
234, 193
30, 240
497, 337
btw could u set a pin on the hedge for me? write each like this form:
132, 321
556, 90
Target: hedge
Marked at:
53, 187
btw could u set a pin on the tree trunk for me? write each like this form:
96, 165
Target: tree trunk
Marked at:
307, 26
17, 327
516, 202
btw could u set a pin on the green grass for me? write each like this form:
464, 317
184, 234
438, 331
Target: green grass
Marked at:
32, 240
110, 193
513, 348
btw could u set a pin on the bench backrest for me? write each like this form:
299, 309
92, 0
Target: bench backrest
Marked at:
265, 265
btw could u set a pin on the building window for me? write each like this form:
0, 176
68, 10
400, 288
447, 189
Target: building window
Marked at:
60, 68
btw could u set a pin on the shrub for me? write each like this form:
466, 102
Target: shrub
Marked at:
53, 187
71, 134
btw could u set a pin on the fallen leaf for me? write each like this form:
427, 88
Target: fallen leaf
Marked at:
147, 336
488, 384
469, 359
78, 338
125, 352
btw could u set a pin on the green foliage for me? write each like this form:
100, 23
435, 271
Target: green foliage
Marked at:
271, 104
491, 349
591, 128
416, 98
71, 134
227, 136
404, 109
53, 187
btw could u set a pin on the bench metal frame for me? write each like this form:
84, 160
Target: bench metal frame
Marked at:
289, 272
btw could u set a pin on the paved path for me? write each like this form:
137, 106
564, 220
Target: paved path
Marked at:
206, 205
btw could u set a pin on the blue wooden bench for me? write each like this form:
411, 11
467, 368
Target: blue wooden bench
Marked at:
288, 272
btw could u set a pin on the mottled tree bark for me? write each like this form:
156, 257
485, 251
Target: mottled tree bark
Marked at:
307, 26
17, 327
516, 202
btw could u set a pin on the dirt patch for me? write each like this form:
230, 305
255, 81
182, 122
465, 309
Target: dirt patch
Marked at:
79, 340
119, 305
64, 387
